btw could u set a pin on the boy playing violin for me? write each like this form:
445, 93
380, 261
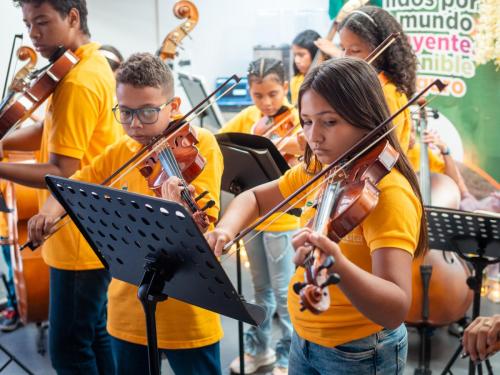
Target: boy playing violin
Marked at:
362, 330
188, 335
78, 126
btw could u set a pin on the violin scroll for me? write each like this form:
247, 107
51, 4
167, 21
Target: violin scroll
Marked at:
183, 9
20, 80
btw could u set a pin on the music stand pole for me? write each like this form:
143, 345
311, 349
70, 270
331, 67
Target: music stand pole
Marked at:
241, 343
249, 160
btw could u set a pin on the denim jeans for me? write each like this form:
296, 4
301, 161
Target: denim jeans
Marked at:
11, 295
132, 359
270, 255
78, 340
381, 353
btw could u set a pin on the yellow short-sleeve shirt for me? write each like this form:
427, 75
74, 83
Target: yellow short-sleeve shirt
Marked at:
179, 325
436, 162
395, 222
242, 123
395, 100
295, 83
79, 124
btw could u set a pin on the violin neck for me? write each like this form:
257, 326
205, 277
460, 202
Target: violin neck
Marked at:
424, 170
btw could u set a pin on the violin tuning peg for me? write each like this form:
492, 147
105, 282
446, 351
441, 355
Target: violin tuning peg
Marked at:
332, 279
297, 287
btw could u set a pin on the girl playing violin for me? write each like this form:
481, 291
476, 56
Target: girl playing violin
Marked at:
189, 336
360, 33
270, 253
361, 332
303, 50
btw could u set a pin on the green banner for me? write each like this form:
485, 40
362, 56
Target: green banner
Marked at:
448, 36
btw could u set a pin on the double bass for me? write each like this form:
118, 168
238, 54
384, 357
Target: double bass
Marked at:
440, 293
31, 274
183, 9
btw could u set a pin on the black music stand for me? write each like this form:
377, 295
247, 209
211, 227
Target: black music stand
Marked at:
475, 238
154, 244
249, 161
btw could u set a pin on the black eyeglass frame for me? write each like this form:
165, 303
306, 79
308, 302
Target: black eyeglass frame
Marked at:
137, 113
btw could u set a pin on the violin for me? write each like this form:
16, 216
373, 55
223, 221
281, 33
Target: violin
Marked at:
277, 128
179, 158
176, 127
183, 9
343, 205
18, 108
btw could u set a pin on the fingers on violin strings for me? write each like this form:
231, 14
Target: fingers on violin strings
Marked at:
301, 238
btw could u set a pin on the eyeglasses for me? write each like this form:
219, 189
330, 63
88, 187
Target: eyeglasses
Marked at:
147, 115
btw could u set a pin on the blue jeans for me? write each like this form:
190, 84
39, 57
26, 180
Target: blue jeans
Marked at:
381, 353
78, 340
270, 255
11, 295
132, 359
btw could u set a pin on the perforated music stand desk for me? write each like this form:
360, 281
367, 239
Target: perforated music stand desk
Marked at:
154, 244
475, 237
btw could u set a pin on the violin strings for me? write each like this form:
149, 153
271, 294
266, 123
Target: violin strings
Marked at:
279, 215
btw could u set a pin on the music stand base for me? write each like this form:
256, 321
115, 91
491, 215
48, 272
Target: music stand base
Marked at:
150, 294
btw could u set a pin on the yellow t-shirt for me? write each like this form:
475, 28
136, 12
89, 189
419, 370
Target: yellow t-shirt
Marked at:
395, 100
342, 322
295, 83
179, 325
436, 162
78, 123
242, 123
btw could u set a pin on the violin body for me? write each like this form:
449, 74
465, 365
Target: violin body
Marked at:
179, 158
277, 128
182, 143
31, 274
24, 104
347, 205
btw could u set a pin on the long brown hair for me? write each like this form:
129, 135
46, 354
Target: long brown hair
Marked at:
353, 90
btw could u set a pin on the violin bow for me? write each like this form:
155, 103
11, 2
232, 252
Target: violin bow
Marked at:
365, 143
151, 145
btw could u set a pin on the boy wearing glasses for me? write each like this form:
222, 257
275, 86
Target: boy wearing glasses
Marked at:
189, 336
78, 125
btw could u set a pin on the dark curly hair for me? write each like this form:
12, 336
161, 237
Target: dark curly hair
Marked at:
351, 87
63, 7
305, 39
264, 66
398, 61
146, 70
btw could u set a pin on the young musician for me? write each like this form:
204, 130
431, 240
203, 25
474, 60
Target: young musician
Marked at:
360, 33
303, 50
78, 126
362, 332
270, 252
188, 335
